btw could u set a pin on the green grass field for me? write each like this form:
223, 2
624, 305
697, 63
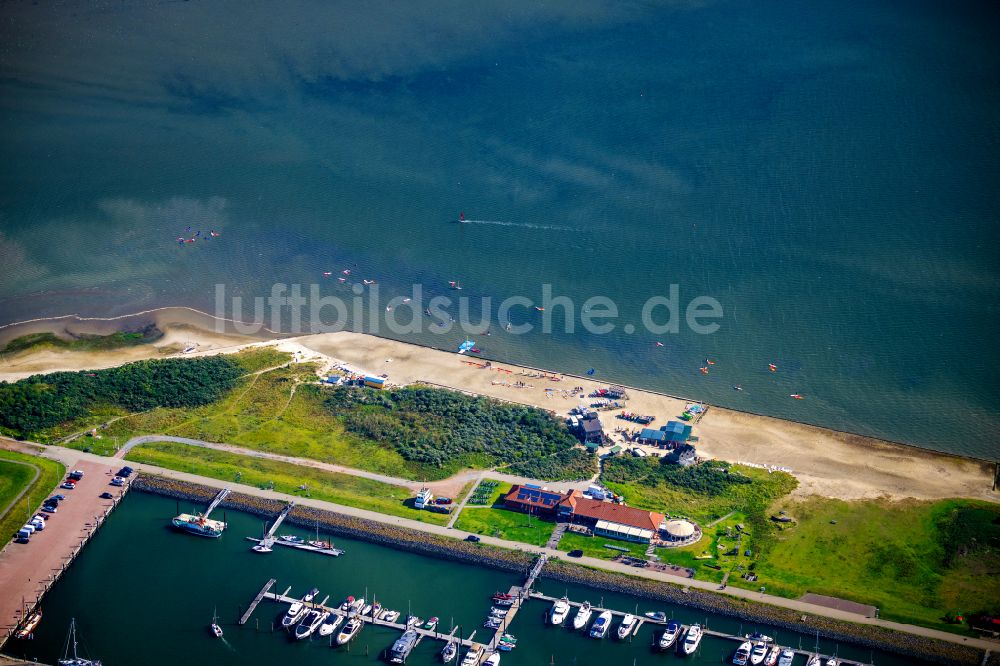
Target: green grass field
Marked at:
899, 556
719, 543
115, 340
504, 524
14, 478
284, 477
594, 546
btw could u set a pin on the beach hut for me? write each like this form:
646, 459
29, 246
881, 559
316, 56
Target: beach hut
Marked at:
653, 437
676, 432
375, 382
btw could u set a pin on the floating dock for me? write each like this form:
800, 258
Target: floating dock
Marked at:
334, 552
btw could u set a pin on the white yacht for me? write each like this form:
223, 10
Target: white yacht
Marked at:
758, 653
294, 614
582, 616
76, 659
310, 595
670, 634
330, 624
493, 660
627, 626
772, 656
692, 639
349, 631
742, 655
560, 609
472, 657
786, 658
309, 624
601, 625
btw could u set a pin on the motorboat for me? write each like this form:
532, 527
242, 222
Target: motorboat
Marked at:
786, 658
291, 538
669, 635
357, 606
390, 616
493, 660
472, 657
814, 661
295, 613
759, 653
310, 595
504, 602
330, 624
742, 655
628, 625
349, 631
401, 649
498, 612
345, 605
832, 661
657, 616
756, 637
431, 624
582, 616
601, 625
449, 652
560, 609
27, 627
772, 656
309, 624
692, 639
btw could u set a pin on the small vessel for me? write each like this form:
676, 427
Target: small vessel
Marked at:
330, 624
76, 659
310, 595
431, 624
28, 626
492, 623
401, 649
786, 658
560, 609
628, 625
412, 621
772, 367
309, 624
756, 637
291, 538
390, 616
215, 628
759, 653
832, 661
656, 616
669, 635
262, 547
493, 660
772, 656
346, 604
499, 612
504, 602
582, 616
349, 631
472, 657
295, 613
601, 625
738, 387
357, 606
796, 396
449, 652
814, 661
199, 525
692, 639
742, 654
502, 595
367, 610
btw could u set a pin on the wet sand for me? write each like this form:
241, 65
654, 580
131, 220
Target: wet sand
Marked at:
826, 463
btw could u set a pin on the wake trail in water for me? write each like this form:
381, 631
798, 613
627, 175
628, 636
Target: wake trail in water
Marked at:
526, 225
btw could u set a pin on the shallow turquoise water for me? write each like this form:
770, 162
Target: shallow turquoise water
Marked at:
826, 171
144, 594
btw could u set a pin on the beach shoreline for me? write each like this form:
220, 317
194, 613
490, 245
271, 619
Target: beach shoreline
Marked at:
826, 462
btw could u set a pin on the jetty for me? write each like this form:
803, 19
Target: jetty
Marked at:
268, 539
260, 597
223, 494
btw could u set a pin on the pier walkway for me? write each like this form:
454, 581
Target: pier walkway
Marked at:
260, 596
223, 494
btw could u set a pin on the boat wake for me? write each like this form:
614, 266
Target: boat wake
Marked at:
525, 225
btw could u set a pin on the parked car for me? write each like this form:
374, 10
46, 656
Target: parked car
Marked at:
106, 495
58, 498
443, 500
473, 538
67, 486
37, 523
23, 536
118, 482
125, 471
29, 527
42, 516
76, 474
575, 553
49, 508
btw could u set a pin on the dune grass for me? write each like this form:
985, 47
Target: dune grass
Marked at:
284, 477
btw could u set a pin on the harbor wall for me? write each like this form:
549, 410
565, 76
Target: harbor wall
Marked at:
504, 559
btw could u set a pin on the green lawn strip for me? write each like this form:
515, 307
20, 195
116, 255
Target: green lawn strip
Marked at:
337, 488
51, 474
115, 340
727, 558
893, 555
504, 524
593, 546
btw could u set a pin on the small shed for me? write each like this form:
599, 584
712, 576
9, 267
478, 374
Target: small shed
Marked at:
375, 382
591, 430
653, 437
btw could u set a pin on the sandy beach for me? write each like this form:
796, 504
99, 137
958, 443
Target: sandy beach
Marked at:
826, 463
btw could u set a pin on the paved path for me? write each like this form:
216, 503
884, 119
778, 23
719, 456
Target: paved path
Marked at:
465, 500
71, 458
453, 483
38, 472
